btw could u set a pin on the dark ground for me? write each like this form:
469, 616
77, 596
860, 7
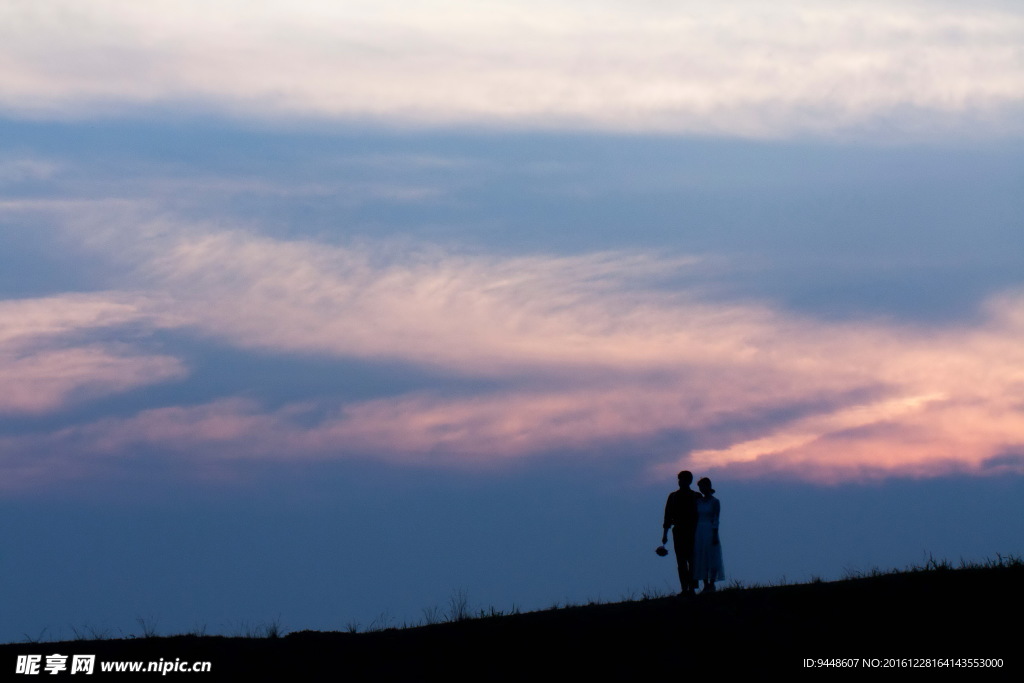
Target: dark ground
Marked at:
940, 613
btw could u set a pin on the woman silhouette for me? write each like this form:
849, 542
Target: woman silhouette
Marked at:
707, 549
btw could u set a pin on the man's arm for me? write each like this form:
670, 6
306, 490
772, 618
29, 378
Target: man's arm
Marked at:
668, 520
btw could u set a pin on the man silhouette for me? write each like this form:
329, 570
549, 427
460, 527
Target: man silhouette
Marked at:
681, 517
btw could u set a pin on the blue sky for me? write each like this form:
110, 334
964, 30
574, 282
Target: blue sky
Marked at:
321, 312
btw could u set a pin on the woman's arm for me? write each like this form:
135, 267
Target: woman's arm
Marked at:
716, 511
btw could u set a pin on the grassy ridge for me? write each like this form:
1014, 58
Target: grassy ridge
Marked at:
932, 612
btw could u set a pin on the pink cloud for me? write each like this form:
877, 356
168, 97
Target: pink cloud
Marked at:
580, 352
47, 358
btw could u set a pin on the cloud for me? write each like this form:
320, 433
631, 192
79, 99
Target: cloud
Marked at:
48, 358
744, 68
573, 354
19, 169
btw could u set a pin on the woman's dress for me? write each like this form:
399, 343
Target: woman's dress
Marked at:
707, 558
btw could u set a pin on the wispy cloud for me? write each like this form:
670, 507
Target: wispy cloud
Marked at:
18, 169
578, 353
739, 68
51, 354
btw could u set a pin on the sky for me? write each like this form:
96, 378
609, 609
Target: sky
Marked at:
321, 313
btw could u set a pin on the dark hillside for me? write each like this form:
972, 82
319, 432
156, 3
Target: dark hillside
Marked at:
937, 613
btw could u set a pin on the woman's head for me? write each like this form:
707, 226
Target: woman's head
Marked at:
705, 485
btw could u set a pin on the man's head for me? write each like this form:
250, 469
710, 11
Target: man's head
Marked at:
685, 479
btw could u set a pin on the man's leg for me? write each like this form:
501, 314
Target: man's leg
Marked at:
682, 543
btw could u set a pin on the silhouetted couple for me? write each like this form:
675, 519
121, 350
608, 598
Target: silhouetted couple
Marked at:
693, 518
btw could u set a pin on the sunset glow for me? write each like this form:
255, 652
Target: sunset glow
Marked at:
575, 353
